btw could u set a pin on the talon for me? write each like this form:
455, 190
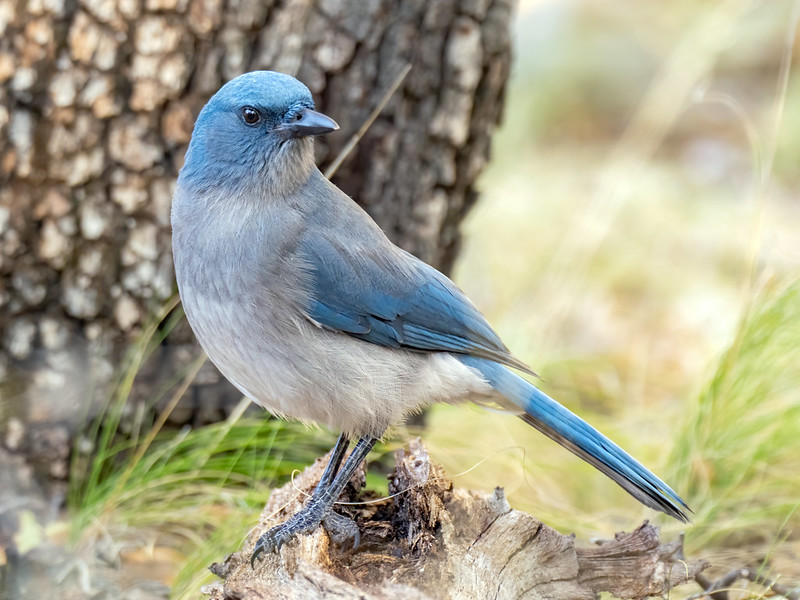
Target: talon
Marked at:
342, 529
256, 553
261, 547
304, 521
271, 541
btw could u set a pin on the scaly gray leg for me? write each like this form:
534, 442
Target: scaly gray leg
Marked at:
333, 465
322, 500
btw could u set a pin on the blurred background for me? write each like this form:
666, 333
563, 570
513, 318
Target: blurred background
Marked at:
638, 244
636, 241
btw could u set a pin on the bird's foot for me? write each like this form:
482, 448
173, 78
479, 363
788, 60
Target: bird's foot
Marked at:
304, 521
340, 528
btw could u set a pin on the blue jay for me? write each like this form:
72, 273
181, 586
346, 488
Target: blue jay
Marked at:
304, 304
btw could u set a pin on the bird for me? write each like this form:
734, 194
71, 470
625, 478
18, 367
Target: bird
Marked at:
305, 305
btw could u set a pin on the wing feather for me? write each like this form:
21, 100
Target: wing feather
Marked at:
393, 299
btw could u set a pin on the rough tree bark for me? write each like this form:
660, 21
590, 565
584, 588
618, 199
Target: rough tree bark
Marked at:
431, 541
97, 102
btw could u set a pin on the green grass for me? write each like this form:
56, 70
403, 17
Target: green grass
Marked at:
196, 491
737, 455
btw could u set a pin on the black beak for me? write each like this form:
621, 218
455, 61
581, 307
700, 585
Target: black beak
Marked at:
309, 122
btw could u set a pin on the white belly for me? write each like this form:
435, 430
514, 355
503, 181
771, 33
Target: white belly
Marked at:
298, 370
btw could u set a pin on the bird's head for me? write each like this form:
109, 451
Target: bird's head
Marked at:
257, 128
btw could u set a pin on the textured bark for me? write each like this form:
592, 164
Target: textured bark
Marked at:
433, 541
97, 102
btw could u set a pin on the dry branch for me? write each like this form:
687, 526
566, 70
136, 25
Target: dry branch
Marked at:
431, 540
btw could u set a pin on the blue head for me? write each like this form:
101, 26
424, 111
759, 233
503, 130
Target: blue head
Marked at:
257, 128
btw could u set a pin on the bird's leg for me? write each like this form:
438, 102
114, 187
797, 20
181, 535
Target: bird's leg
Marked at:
339, 528
335, 461
322, 500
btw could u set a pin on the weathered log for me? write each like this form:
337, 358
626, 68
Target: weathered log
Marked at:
430, 540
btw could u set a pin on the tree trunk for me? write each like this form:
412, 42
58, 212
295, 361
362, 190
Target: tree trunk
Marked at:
430, 540
97, 103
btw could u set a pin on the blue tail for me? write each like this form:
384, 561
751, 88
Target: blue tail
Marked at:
575, 434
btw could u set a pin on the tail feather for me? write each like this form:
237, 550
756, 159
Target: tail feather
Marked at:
575, 434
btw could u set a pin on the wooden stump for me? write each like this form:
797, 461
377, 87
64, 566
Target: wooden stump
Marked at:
431, 540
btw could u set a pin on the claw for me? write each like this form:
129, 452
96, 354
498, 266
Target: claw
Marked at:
262, 545
305, 521
273, 539
256, 553
341, 529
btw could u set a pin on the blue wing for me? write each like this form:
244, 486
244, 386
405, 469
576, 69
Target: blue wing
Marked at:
386, 296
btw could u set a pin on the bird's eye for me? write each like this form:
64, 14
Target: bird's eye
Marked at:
298, 116
250, 115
